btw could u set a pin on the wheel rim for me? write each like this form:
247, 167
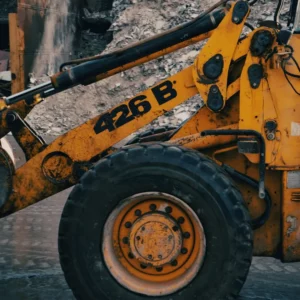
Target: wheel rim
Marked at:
153, 244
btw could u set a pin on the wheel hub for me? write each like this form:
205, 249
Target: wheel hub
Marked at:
152, 240
153, 244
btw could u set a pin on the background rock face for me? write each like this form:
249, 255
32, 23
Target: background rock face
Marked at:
133, 20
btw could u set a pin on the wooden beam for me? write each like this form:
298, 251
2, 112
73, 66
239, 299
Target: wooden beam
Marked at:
16, 41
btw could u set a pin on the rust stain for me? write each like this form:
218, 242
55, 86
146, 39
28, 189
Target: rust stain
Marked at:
293, 225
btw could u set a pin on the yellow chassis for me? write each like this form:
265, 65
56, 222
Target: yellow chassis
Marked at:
53, 168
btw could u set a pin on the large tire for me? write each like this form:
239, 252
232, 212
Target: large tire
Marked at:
185, 174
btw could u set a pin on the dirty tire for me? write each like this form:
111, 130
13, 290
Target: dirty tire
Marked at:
185, 174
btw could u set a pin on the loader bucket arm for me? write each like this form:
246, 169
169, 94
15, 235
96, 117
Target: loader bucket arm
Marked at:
107, 65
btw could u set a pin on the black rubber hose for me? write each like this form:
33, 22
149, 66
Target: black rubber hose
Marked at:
261, 220
250, 26
277, 12
252, 2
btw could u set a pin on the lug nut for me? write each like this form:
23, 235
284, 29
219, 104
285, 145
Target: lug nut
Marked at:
186, 235
128, 225
175, 228
174, 263
214, 89
125, 240
159, 269
150, 257
160, 256
184, 251
138, 213
152, 207
181, 220
143, 266
271, 136
168, 209
130, 255
138, 237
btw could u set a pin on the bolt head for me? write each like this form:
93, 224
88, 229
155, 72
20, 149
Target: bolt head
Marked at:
186, 235
174, 263
11, 117
175, 228
271, 136
125, 240
184, 251
214, 89
152, 207
128, 225
181, 220
168, 209
138, 213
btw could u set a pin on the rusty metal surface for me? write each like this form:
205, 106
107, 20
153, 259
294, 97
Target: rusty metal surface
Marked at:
16, 45
290, 221
47, 25
91, 138
154, 238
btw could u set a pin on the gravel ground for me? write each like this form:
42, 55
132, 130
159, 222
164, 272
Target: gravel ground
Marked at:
132, 21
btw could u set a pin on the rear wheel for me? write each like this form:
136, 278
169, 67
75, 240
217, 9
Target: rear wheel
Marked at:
158, 221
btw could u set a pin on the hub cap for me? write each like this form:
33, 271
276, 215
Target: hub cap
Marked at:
152, 239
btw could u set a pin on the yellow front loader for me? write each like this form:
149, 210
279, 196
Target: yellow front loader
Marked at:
177, 213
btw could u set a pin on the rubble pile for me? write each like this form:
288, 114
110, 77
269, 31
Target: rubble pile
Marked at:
133, 20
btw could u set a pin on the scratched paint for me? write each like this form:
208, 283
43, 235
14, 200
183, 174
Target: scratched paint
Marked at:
293, 225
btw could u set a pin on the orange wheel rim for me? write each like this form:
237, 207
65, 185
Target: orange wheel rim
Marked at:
153, 244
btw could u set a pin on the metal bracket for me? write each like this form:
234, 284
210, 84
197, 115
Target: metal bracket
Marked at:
255, 75
240, 11
262, 162
30, 142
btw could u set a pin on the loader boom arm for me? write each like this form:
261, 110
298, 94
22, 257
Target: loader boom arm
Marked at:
103, 66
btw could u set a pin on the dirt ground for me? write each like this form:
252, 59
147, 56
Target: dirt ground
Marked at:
133, 20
